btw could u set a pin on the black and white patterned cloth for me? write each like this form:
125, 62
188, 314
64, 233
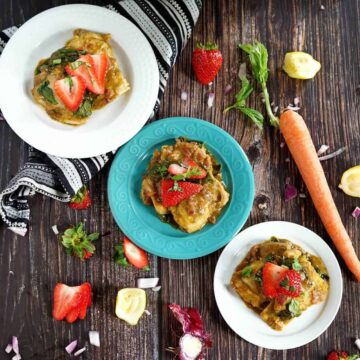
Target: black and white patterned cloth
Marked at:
167, 24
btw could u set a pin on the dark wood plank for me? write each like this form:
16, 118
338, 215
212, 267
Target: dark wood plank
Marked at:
330, 106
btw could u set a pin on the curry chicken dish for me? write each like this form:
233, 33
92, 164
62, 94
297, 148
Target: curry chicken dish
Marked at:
81, 77
279, 280
184, 184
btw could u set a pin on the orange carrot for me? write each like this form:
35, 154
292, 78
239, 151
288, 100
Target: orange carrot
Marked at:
299, 142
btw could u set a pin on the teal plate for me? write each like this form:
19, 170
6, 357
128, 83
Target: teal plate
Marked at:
140, 222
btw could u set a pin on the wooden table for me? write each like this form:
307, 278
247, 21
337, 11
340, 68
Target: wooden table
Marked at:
330, 105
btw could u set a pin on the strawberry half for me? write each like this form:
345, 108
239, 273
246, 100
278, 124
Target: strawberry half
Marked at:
70, 91
100, 64
272, 275
173, 192
81, 200
290, 284
92, 70
69, 300
135, 255
175, 169
191, 164
206, 62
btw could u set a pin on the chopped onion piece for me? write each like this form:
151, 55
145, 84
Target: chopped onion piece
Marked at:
147, 312
190, 347
332, 155
184, 95
276, 108
296, 101
287, 159
80, 351
357, 343
322, 7
293, 108
94, 338
16, 357
323, 148
290, 192
15, 344
71, 347
156, 288
55, 229
211, 98
227, 89
302, 195
282, 144
11, 272
8, 349
147, 283
242, 71
356, 214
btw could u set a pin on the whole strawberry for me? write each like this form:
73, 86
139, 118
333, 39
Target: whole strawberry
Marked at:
206, 62
81, 200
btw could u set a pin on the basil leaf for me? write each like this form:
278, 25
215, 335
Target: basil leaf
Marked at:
246, 271
46, 92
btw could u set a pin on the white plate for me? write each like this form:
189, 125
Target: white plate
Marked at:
107, 128
246, 323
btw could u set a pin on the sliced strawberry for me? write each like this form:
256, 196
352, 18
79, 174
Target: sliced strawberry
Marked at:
66, 298
290, 284
73, 315
87, 301
70, 91
175, 169
100, 64
339, 355
173, 192
272, 274
191, 164
135, 255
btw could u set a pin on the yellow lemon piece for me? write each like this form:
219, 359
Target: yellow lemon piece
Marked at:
130, 304
300, 65
350, 181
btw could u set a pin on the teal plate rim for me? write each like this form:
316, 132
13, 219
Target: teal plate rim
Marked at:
140, 223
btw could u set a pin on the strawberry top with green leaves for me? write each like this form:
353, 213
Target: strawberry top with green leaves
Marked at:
206, 62
173, 192
341, 355
81, 200
78, 243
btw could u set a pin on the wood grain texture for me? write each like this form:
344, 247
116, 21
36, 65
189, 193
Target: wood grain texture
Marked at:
330, 105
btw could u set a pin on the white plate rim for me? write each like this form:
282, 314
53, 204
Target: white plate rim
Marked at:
122, 128
335, 293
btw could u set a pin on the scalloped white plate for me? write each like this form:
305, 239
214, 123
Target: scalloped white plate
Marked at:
246, 323
107, 128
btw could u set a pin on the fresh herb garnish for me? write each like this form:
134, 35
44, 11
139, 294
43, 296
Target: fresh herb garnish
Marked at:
258, 277
46, 92
240, 103
61, 56
284, 283
189, 173
292, 263
74, 65
176, 187
85, 108
246, 271
269, 258
258, 57
159, 170
294, 308
70, 82
119, 256
324, 276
